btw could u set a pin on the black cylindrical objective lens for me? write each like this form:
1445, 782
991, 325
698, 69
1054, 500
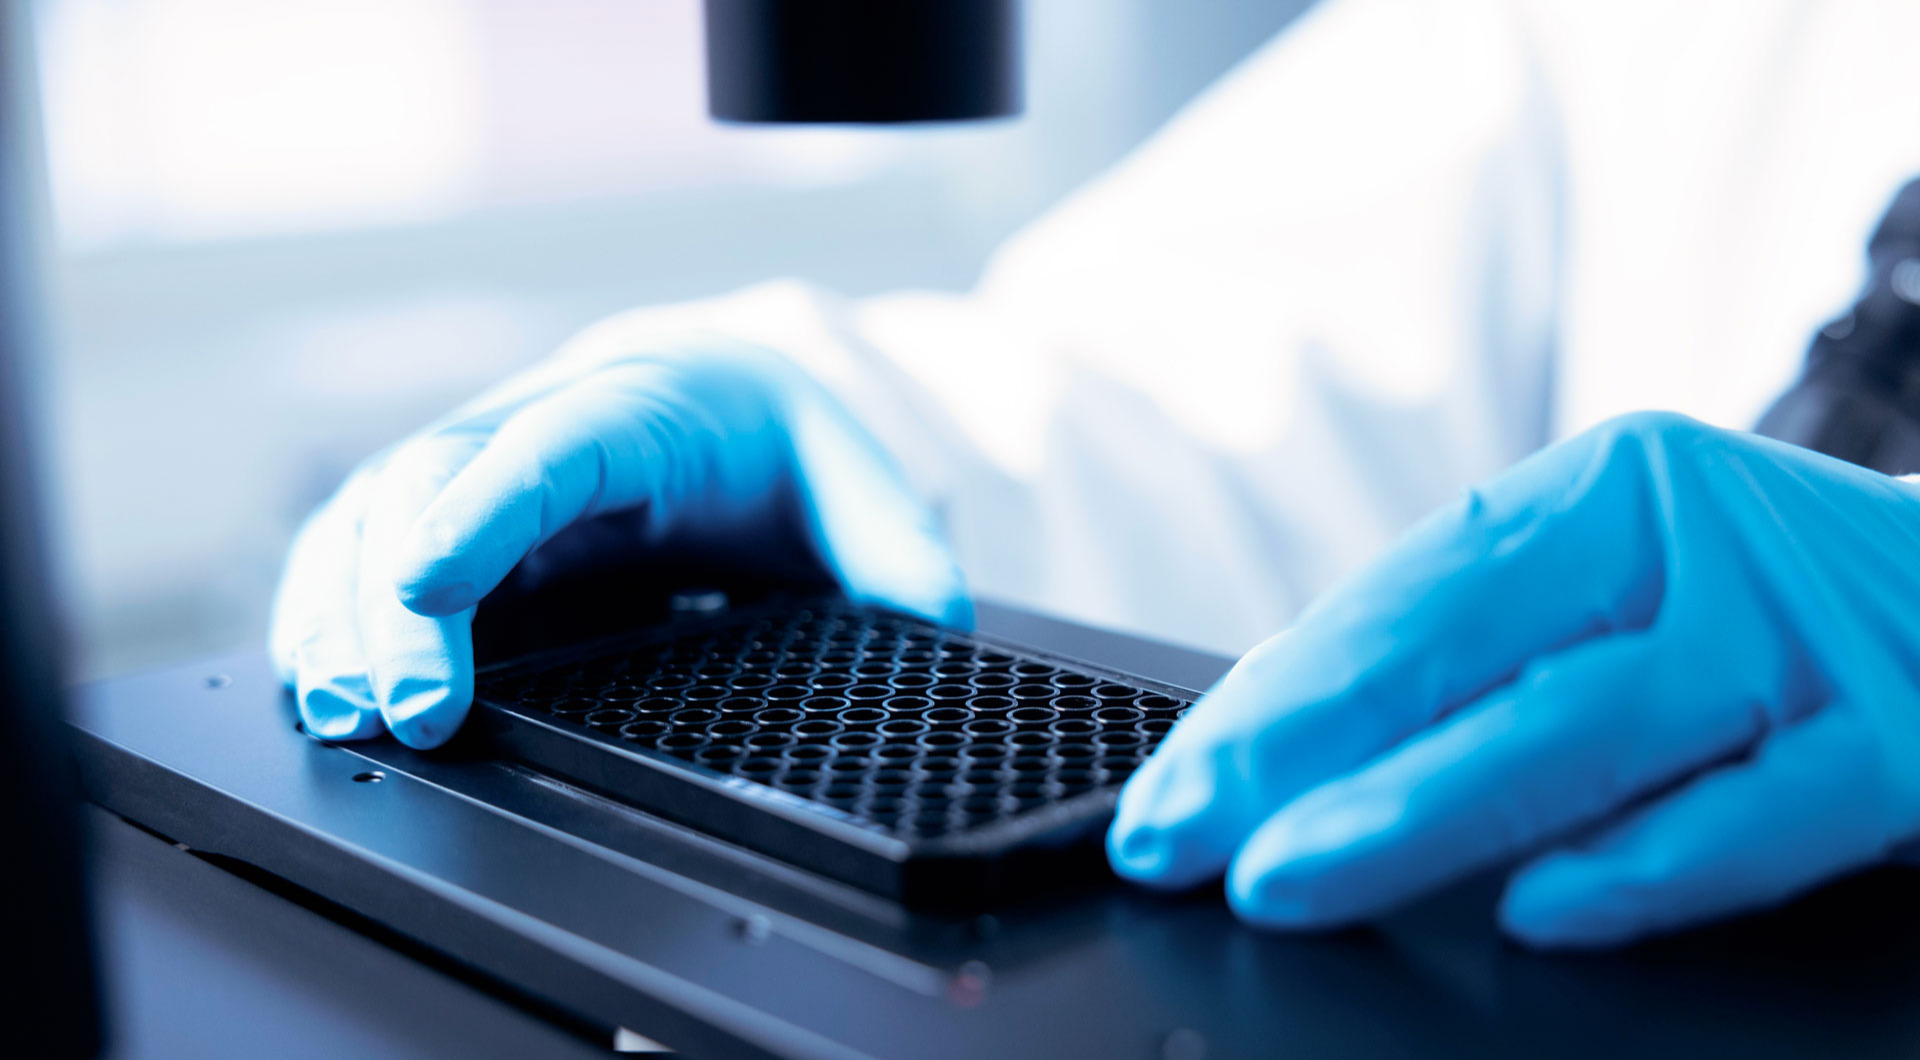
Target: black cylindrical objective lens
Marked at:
867, 61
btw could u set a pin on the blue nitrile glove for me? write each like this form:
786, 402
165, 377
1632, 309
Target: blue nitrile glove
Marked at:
706, 440
1672, 669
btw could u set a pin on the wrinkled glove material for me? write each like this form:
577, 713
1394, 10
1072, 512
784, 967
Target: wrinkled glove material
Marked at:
595, 456
1671, 672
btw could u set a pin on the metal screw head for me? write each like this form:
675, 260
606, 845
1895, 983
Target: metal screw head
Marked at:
698, 602
218, 681
1906, 281
968, 987
755, 929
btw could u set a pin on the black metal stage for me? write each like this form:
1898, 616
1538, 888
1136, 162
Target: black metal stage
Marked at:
589, 915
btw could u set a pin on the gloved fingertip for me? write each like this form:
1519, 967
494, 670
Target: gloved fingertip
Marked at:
431, 571
333, 711
1275, 897
1317, 863
957, 612
1272, 883
933, 589
1163, 833
1558, 903
437, 599
1140, 854
427, 718
943, 602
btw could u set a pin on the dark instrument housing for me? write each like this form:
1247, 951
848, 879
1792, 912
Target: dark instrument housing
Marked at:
863, 61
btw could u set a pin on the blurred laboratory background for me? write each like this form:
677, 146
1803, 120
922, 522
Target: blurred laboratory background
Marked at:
289, 232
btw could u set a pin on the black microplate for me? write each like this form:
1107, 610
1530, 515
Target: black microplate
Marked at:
927, 764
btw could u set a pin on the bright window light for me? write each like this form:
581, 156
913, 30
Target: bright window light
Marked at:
214, 119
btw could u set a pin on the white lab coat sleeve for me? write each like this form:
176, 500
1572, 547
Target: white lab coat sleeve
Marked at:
1314, 306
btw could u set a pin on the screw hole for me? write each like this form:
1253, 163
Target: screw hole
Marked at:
371, 776
218, 681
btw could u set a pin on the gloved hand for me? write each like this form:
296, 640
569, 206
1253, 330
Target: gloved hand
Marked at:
688, 440
1673, 671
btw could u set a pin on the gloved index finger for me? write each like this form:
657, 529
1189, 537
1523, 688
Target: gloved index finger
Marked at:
315, 636
870, 530
682, 444
1559, 549
420, 668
